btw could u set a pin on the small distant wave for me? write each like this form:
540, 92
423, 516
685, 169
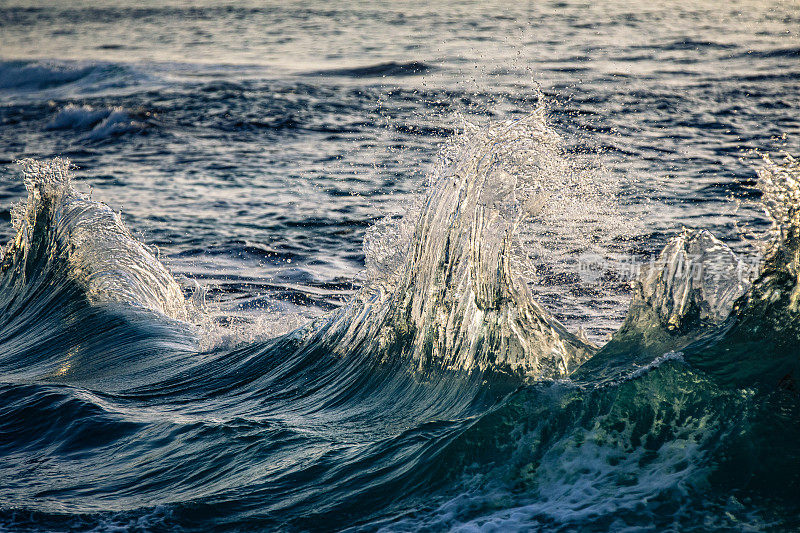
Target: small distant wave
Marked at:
101, 123
389, 69
692, 44
770, 53
36, 76
58, 79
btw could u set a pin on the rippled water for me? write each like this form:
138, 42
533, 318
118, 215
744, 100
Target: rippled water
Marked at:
411, 194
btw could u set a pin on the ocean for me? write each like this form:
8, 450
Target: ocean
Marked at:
399, 266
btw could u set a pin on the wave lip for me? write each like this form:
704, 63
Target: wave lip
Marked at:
761, 343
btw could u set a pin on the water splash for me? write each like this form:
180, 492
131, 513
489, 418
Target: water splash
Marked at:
446, 287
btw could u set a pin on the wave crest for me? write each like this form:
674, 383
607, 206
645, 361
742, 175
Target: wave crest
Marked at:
57, 228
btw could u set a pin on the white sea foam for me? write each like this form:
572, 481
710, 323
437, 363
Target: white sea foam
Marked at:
99, 123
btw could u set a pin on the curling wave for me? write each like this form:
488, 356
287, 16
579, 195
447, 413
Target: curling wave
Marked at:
73, 266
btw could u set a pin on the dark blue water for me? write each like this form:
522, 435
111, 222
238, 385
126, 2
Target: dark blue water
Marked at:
317, 267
